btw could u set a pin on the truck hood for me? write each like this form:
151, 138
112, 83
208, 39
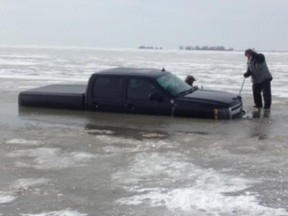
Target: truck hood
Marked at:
211, 96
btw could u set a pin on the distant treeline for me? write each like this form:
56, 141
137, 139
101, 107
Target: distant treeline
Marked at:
221, 48
216, 48
149, 47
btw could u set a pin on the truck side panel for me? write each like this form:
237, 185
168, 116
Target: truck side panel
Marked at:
55, 96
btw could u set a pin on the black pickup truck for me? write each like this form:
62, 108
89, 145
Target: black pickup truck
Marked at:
136, 90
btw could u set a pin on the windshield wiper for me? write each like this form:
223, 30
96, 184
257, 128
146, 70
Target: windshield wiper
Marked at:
186, 92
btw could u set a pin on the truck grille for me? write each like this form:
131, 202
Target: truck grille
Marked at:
235, 110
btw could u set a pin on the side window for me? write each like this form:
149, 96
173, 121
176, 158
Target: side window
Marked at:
140, 89
108, 87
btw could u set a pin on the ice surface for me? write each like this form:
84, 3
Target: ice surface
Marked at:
187, 188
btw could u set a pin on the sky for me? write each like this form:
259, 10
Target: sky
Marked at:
238, 24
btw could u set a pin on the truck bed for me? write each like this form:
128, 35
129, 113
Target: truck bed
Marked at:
55, 96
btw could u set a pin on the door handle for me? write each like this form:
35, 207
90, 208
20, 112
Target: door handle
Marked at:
96, 105
130, 107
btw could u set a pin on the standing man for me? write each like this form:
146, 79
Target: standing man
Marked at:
260, 77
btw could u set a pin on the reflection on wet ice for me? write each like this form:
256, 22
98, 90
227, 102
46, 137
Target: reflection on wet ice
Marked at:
261, 113
261, 124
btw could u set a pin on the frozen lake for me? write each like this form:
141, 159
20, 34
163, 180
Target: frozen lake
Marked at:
58, 163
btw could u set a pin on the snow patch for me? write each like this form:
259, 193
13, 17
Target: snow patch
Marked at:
153, 135
107, 132
20, 186
111, 140
6, 197
26, 183
23, 142
66, 212
51, 158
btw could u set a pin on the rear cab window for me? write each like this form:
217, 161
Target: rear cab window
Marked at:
108, 87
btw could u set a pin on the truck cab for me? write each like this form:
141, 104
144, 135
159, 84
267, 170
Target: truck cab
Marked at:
127, 90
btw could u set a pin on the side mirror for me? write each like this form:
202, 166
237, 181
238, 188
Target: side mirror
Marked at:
156, 97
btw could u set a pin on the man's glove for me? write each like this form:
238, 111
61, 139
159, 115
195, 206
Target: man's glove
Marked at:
246, 75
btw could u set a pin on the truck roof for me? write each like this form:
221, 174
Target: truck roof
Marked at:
143, 72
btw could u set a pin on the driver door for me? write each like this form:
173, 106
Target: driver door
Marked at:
139, 100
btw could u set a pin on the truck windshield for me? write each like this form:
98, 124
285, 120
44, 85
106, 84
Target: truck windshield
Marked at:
174, 85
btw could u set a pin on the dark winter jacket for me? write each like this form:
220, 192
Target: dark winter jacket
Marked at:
258, 69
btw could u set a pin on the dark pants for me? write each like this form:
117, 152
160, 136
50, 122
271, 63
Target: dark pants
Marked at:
265, 89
